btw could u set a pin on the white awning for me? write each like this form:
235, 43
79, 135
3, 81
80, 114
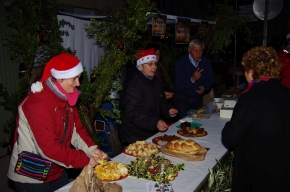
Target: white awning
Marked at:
171, 19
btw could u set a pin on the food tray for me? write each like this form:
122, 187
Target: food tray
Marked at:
192, 125
124, 151
194, 115
200, 156
121, 178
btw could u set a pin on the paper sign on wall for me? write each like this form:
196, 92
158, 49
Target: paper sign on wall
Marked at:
159, 25
182, 31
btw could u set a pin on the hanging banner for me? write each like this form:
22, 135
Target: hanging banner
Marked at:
159, 25
182, 31
202, 29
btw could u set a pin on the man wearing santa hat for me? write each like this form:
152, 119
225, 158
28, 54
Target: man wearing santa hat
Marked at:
48, 124
143, 104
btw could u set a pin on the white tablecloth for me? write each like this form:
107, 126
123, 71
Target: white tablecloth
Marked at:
194, 173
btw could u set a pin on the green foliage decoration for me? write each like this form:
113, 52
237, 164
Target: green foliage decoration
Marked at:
33, 39
220, 177
121, 33
228, 23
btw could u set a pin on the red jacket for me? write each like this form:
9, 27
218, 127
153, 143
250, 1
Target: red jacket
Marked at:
285, 71
40, 128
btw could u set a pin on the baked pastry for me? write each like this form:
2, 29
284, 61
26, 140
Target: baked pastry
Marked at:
192, 132
184, 146
184, 125
141, 148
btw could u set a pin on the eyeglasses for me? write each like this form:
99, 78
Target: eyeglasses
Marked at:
152, 64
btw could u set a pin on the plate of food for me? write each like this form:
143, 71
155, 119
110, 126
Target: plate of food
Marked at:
141, 148
187, 131
191, 124
111, 171
162, 140
185, 149
155, 168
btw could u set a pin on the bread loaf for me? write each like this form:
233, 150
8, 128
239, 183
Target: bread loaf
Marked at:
185, 146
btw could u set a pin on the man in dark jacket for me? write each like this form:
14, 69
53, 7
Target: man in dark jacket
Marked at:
142, 102
193, 76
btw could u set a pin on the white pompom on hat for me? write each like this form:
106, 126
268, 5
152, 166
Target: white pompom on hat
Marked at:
62, 66
146, 55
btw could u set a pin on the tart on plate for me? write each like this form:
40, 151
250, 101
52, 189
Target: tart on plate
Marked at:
188, 131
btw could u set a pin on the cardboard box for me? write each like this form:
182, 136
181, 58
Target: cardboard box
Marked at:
226, 112
229, 103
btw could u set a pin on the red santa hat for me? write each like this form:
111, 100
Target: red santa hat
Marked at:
62, 66
145, 56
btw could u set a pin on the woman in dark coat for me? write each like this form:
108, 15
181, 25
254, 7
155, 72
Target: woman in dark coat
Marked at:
259, 130
142, 103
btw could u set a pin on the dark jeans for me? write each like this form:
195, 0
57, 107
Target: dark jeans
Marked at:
184, 103
43, 187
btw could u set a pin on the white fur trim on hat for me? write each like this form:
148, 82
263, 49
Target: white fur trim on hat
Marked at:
36, 87
67, 73
145, 59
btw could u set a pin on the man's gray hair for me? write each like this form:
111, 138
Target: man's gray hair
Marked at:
196, 43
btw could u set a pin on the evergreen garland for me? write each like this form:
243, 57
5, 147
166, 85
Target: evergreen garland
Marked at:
121, 33
220, 177
34, 39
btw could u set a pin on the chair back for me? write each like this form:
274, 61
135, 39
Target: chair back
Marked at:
207, 98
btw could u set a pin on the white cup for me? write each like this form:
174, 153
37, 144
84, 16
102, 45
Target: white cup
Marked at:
216, 100
219, 105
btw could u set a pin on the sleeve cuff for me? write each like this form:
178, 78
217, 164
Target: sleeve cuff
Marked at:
90, 149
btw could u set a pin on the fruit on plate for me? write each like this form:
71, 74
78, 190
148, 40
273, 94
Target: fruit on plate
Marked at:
110, 170
155, 168
141, 148
200, 111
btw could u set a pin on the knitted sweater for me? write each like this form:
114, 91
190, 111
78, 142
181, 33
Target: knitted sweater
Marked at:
184, 70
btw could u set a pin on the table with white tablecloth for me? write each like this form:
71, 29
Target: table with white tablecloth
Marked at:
195, 172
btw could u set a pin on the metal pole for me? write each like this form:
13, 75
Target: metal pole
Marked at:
266, 11
235, 54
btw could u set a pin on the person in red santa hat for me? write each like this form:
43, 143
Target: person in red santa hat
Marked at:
143, 104
47, 125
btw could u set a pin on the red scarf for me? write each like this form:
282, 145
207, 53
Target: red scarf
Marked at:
72, 98
253, 82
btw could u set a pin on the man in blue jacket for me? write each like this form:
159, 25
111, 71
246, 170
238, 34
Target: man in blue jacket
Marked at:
193, 76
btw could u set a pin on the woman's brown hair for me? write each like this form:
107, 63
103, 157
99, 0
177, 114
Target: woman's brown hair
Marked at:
263, 61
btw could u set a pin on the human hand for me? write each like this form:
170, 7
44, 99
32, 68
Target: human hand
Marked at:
162, 126
92, 162
197, 74
200, 90
168, 95
173, 112
97, 154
